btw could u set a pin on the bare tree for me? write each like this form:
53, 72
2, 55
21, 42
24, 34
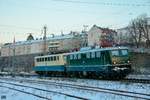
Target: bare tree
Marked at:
136, 34
145, 29
139, 29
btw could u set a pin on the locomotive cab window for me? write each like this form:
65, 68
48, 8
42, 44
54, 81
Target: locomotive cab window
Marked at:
124, 52
115, 53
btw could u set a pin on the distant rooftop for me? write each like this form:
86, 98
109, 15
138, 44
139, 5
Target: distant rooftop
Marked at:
53, 37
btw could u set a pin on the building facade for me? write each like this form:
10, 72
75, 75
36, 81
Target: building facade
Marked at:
62, 43
102, 37
123, 36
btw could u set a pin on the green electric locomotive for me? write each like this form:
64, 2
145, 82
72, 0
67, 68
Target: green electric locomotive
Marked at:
105, 62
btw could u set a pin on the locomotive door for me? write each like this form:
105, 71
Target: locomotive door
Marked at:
105, 57
102, 60
83, 61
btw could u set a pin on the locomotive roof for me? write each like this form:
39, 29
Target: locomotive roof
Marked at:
48, 55
91, 50
98, 49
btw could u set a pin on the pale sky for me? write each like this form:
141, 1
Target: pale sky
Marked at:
19, 17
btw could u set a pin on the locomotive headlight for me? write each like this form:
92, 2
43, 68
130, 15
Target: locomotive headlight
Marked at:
114, 62
128, 61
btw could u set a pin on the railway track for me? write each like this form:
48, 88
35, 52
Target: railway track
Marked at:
94, 89
39, 89
39, 96
103, 90
145, 81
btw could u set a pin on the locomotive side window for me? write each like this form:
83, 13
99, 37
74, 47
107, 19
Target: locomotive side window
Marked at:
75, 56
88, 55
79, 56
98, 54
92, 54
71, 57
124, 52
115, 53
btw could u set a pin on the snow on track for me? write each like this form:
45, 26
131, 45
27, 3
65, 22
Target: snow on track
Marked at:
89, 94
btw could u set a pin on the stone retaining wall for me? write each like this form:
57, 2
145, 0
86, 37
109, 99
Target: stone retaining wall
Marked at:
140, 63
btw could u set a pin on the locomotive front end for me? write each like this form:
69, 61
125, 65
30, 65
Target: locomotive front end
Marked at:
121, 65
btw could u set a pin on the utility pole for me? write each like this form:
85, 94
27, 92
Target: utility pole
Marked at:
44, 38
13, 58
84, 40
85, 28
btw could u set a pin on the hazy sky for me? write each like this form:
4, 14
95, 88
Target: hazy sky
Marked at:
19, 17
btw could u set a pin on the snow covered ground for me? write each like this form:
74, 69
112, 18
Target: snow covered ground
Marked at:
7, 94
132, 76
13, 95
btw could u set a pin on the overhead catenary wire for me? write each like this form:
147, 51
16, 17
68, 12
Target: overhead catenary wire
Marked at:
104, 3
19, 27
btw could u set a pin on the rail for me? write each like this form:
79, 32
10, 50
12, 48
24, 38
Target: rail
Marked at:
94, 89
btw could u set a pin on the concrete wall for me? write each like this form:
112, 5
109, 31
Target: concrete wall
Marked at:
140, 63
18, 63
